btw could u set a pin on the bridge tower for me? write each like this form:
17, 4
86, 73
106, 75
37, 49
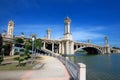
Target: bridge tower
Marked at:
67, 31
67, 43
10, 28
107, 47
48, 33
89, 41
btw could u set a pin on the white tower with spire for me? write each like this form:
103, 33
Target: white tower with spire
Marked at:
106, 41
67, 31
67, 43
48, 33
10, 28
107, 47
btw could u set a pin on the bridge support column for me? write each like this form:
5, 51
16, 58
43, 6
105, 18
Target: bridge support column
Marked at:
76, 46
62, 48
43, 45
72, 47
12, 50
59, 47
107, 50
52, 47
67, 48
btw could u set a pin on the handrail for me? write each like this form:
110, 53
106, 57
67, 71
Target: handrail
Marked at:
78, 72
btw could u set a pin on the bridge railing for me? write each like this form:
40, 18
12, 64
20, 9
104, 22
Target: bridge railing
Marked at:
78, 72
72, 68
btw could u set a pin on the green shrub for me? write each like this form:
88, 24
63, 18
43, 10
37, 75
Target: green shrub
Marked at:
16, 53
22, 54
22, 50
27, 56
1, 59
19, 59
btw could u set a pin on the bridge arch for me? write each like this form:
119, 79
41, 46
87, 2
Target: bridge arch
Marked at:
90, 50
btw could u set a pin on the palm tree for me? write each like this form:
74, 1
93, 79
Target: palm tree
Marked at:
37, 43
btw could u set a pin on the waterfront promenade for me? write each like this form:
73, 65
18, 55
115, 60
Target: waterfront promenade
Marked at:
52, 69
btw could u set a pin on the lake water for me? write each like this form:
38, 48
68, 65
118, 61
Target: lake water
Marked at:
100, 67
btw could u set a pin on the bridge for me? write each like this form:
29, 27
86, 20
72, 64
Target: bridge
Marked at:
66, 45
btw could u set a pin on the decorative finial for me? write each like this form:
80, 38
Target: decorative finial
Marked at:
67, 19
11, 23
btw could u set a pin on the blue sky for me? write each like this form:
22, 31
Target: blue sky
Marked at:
90, 18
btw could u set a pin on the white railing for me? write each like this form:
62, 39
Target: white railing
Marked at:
72, 68
78, 72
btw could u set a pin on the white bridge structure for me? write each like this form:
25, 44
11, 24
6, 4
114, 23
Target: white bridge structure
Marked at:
65, 46
68, 46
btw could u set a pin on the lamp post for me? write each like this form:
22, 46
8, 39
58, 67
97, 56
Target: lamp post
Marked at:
33, 49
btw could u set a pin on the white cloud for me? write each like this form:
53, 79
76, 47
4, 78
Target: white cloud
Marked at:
57, 31
84, 35
88, 32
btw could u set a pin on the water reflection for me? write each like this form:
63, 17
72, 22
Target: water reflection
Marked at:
100, 67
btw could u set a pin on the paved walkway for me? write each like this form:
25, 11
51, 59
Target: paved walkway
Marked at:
53, 69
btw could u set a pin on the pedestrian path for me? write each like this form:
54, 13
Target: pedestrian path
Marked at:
52, 69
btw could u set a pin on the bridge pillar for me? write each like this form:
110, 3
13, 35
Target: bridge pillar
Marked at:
43, 45
69, 47
107, 50
107, 47
76, 46
72, 48
67, 51
52, 47
12, 50
60, 47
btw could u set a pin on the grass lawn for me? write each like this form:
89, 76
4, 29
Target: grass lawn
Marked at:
14, 66
11, 64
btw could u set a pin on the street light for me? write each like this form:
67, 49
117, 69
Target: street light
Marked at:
33, 48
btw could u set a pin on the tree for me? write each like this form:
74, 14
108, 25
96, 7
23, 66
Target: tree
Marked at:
28, 46
2, 49
116, 47
2, 55
37, 44
19, 42
1, 42
21, 57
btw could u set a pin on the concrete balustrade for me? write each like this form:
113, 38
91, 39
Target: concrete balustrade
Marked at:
81, 71
78, 72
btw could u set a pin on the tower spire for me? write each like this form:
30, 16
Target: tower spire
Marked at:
106, 41
67, 31
67, 22
10, 28
48, 33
